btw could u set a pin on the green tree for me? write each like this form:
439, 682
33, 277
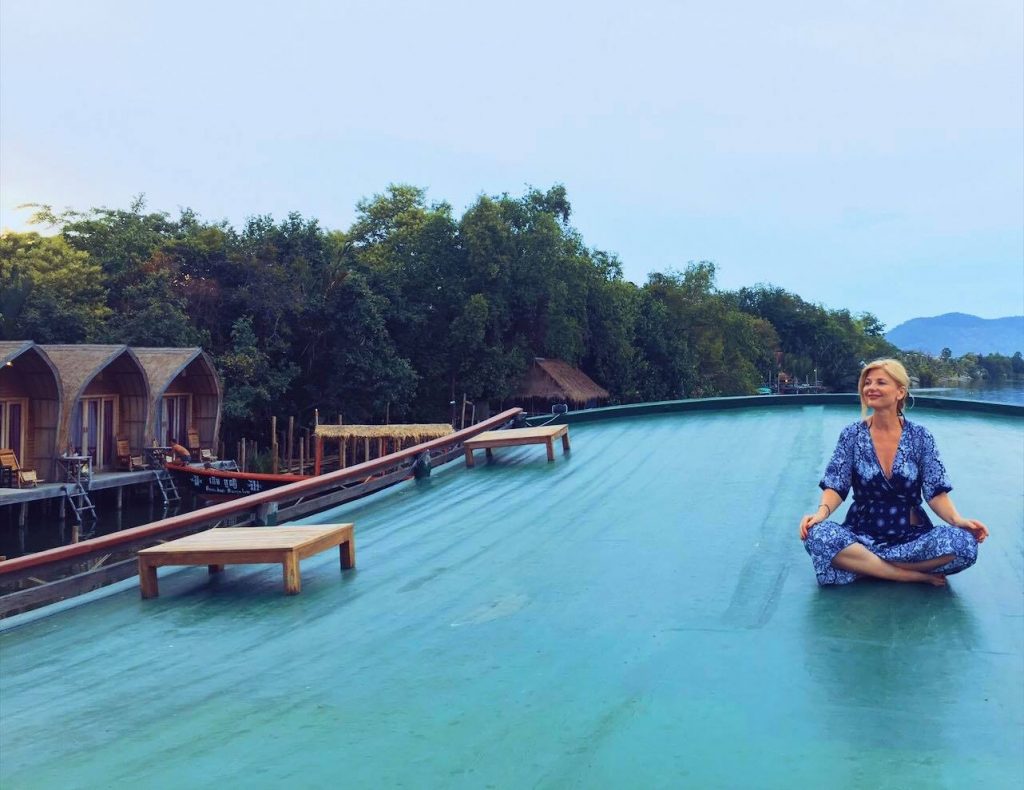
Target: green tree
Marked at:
49, 292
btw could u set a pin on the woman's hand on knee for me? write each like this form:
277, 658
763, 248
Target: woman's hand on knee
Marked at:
975, 527
807, 522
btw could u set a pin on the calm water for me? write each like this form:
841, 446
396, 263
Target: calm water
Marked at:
1009, 392
45, 529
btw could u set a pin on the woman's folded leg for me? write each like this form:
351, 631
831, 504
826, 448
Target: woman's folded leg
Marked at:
942, 549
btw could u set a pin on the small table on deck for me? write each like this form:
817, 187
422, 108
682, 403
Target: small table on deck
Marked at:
155, 456
216, 548
517, 436
76, 468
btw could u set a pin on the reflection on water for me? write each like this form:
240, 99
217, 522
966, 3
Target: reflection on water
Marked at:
887, 663
46, 529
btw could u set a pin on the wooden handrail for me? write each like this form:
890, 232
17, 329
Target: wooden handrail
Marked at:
223, 510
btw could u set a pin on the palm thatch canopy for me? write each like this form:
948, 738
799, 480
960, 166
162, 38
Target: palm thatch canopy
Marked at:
421, 432
553, 380
30, 389
94, 370
185, 372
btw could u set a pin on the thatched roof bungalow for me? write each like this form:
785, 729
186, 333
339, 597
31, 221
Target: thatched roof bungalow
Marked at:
185, 395
550, 381
105, 392
30, 404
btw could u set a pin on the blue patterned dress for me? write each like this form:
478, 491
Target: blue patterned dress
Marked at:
880, 516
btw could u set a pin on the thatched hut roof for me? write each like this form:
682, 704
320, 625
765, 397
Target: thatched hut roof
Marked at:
40, 372
9, 349
163, 365
553, 379
421, 432
79, 364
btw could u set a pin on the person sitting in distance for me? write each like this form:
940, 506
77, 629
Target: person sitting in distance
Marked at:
889, 462
181, 455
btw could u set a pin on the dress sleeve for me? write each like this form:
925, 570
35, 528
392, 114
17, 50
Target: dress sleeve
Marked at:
934, 479
839, 472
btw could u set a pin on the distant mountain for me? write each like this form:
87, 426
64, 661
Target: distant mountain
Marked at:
961, 334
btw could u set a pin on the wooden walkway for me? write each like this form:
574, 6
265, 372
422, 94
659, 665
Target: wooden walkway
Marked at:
216, 548
99, 481
514, 437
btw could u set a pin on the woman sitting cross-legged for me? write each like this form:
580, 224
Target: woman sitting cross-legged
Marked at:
889, 462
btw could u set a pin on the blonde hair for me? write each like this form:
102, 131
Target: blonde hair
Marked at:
895, 370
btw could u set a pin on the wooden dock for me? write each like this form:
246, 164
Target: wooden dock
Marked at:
98, 482
514, 437
216, 548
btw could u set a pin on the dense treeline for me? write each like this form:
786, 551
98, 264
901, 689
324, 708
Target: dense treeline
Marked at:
409, 308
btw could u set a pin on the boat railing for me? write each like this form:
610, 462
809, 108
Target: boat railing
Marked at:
77, 568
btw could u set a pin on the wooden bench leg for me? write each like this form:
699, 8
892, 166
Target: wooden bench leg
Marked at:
214, 568
347, 549
489, 453
551, 449
469, 457
565, 443
292, 576
147, 579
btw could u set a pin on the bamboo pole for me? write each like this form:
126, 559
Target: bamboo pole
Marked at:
291, 442
273, 445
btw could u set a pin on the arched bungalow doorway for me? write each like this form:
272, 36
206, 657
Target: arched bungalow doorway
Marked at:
30, 404
106, 393
186, 396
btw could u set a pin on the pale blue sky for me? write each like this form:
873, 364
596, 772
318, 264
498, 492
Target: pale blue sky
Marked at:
866, 155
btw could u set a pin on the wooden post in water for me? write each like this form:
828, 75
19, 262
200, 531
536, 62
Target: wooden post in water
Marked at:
302, 455
241, 454
463, 425
291, 443
273, 445
318, 441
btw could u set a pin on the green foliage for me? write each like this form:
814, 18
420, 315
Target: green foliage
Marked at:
412, 307
49, 292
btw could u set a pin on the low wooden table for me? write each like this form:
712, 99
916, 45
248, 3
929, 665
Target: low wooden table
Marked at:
517, 436
216, 548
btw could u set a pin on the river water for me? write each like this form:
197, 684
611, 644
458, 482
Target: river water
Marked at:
1007, 392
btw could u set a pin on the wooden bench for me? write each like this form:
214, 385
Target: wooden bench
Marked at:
216, 548
517, 436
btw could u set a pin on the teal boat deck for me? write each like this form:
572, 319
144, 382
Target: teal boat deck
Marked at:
639, 613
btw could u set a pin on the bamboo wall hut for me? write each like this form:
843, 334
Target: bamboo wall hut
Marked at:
185, 394
551, 381
106, 396
30, 404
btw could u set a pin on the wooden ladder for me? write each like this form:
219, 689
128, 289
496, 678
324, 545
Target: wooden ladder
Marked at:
168, 489
78, 499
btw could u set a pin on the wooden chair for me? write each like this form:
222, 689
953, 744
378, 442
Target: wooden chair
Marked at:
193, 442
125, 460
23, 477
